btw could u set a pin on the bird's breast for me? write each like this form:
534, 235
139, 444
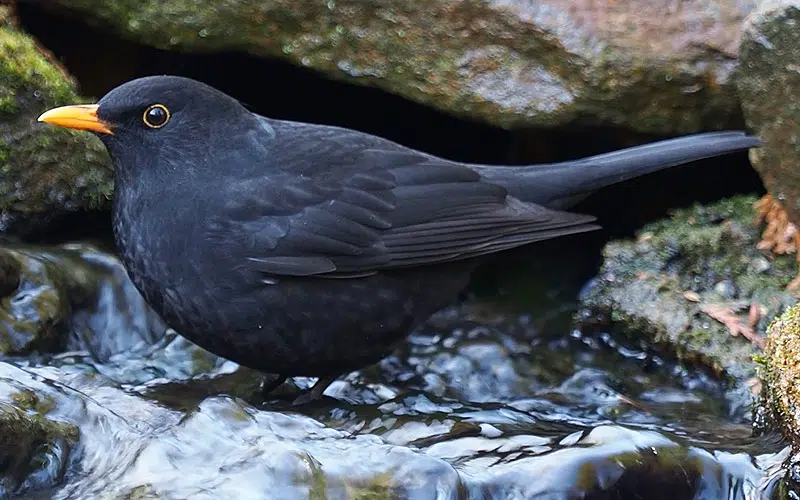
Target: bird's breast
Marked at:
155, 245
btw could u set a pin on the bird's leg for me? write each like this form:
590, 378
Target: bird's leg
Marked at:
315, 392
272, 382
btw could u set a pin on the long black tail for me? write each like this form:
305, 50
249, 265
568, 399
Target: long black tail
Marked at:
556, 184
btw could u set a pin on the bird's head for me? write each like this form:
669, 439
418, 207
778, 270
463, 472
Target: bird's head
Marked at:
159, 122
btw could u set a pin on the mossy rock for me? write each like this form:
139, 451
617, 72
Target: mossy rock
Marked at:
769, 84
44, 171
779, 370
778, 409
634, 64
682, 277
34, 451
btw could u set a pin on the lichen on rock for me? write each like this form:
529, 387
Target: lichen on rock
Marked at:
43, 170
779, 369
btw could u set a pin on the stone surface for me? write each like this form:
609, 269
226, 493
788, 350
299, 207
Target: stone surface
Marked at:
660, 67
133, 442
44, 171
769, 84
476, 404
778, 409
35, 450
779, 368
71, 297
696, 284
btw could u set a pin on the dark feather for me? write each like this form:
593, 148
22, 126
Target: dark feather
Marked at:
396, 209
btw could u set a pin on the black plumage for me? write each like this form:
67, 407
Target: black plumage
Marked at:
303, 249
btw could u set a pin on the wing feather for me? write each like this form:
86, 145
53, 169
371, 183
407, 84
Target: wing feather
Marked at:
386, 210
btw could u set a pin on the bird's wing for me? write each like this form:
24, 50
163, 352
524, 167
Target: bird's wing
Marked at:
394, 209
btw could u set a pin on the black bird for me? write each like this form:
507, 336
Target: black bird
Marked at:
301, 249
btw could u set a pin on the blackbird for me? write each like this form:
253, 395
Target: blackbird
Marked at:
302, 249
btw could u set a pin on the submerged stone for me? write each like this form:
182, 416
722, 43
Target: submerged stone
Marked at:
224, 447
468, 408
72, 297
35, 450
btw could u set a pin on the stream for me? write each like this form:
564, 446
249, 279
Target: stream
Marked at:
497, 396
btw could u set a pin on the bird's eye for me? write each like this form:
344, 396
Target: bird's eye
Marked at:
156, 116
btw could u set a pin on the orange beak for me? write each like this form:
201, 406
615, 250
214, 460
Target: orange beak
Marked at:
78, 117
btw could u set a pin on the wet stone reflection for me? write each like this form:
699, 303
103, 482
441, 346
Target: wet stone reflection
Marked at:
479, 403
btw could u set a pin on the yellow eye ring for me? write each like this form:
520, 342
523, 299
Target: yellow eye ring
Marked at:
156, 116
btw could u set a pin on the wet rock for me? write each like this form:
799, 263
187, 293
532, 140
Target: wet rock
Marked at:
665, 285
650, 66
35, 450
58, 426
224, 447
44, 171
71, 297
470, 408
769, 84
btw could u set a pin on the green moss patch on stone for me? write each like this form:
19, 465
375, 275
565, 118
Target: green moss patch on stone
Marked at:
780, 374
29, 444
657, 285
43, 169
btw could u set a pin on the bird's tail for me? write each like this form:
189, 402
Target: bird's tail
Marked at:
554, 184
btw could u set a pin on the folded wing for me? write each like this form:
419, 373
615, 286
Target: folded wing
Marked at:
389, 210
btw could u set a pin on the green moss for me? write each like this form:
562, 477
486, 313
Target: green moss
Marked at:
30, 401
316, 479
663, 462
376, 488
31, 444
659, 284
780, 371
202, 360
35, 426
237, 412
23, 65
43, 169
143, 492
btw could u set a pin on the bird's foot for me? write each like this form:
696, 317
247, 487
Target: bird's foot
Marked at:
315, 392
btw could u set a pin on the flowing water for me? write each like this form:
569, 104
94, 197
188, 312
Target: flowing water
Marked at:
496, 397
